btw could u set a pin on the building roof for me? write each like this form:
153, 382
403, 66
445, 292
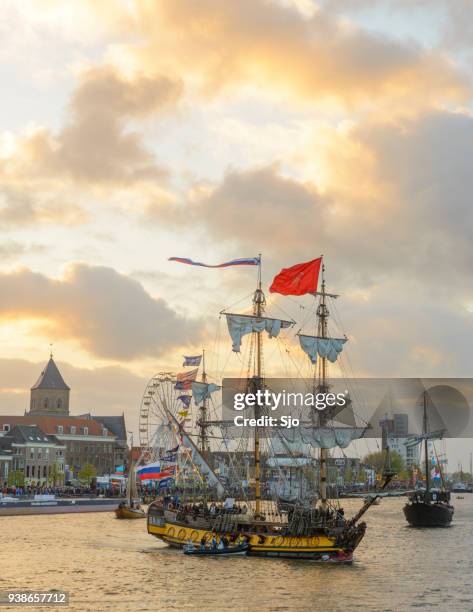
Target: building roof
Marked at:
5, 446
50, 378
49, 424
21, 434
115, 424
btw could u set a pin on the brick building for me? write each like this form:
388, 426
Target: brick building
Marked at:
100, 441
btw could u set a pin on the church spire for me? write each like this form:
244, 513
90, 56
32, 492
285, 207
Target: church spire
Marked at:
50, 393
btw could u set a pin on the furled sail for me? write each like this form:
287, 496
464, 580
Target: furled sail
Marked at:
433, 435
202, 391
322, 437
324, 347
240, 325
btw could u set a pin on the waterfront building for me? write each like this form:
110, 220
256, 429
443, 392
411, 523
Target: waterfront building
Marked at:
117, 427
6, 459
38, 456
96, 440
395, 435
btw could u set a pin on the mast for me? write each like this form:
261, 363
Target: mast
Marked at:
130, 485
258, 308
322, 316
202, 423
426, 446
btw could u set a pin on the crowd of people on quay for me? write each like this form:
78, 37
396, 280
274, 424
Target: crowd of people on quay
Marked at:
29, 491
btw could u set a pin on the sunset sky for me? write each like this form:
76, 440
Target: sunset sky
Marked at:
132, 131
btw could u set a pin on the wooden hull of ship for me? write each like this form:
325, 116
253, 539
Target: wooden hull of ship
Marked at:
421, 514
321, 547
125, 512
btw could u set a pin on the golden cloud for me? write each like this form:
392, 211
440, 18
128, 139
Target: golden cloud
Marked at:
108, 314
276, 46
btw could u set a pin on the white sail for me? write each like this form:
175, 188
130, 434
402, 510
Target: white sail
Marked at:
240, 325
323, 437
324, 347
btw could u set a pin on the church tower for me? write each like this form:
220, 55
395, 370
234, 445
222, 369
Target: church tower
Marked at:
50, 394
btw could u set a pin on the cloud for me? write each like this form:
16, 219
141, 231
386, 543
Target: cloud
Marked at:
418, 220
395, 204
256, 207
278, 47
95, 144
19, 207
106, 313
12, 250
94, 148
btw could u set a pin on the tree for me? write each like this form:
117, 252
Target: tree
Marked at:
16, 478
55, 475
377, 461
461, 476
87, 473
348, 475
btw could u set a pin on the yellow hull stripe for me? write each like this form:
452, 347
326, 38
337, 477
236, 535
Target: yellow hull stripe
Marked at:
178, 536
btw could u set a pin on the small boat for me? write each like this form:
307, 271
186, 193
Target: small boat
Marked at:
130, 509
124, 511
239, 549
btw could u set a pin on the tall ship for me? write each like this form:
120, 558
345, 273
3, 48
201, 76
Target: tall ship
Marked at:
431, 506
244, 506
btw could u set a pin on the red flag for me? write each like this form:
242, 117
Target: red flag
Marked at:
297, 280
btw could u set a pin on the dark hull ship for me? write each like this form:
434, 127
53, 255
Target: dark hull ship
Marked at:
431, 507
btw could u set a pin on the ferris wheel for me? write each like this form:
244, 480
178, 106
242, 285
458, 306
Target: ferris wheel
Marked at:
157, 433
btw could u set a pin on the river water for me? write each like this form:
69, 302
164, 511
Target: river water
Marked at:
106, 564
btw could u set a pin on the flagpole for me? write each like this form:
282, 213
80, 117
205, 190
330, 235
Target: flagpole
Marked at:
258, 307
322, 316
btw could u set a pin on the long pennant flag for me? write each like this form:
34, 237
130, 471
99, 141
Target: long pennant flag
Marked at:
246, 261
192, 361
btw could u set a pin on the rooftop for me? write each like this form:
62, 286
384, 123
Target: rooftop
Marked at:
21, 434
50, 378
49, 424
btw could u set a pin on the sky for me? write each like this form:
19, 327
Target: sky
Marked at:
136, 130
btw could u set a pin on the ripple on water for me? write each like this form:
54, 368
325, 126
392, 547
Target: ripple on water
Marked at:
107, 564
